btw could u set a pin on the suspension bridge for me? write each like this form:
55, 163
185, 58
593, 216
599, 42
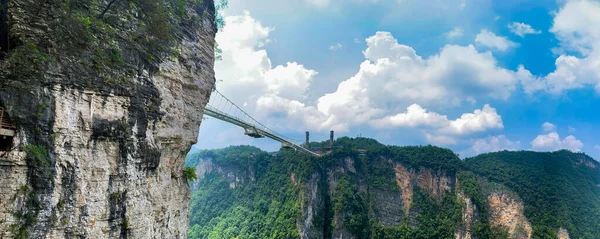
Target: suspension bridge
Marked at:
221, 108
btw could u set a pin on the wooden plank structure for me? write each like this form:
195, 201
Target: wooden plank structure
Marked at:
7, 126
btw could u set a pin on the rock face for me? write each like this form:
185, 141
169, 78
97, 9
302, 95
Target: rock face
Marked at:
233, 174
436, 183
468, 215
508, 213
312, 204
563, 234
95, 159
389, 192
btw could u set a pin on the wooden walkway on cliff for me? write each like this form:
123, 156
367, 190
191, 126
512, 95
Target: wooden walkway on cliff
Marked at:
7, 127
220, 107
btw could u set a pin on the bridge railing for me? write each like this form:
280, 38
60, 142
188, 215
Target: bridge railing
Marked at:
257, 128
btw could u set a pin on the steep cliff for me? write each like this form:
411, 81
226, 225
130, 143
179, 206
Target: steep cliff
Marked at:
387, 192
507, 212
559, 191
107, 97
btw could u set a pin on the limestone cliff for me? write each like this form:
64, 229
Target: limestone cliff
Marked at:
563, 234
507, 212
468, 216
107, 97
387, 192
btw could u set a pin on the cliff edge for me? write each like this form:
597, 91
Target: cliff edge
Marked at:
106, 98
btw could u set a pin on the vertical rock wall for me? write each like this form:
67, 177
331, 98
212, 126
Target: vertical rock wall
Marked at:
99, 153
507, 212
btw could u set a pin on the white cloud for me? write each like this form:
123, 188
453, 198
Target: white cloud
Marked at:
548, 127
490, 40
494, 144
289, 81
522, 29
335, 47
392, 77
455, 33
571, 129
357, 41
478, 121
574, 26
597, 147
438, 127
415, 116
552, 142
250, 80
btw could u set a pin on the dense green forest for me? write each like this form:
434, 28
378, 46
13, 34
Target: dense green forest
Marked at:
266, 208
560, 189
249, 193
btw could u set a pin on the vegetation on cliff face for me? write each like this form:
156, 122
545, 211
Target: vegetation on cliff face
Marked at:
268, 202
251, 209
109, 47
559, 189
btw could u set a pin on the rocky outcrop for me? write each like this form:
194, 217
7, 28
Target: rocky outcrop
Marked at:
507, 212
390, 205
404, 183
436, 183
588, 162
313, 206
468, 216
563, 234
99, 151
234, 175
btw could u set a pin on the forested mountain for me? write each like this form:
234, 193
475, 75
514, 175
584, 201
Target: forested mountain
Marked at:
559, 189
364, 189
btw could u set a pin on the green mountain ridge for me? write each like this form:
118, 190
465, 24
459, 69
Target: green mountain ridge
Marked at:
393, 192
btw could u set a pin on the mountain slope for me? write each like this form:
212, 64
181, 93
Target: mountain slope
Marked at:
387, 192
560, 189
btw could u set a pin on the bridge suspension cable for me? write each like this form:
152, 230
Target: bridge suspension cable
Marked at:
220, 107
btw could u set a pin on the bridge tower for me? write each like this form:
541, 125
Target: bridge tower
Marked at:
307, 141
331, 139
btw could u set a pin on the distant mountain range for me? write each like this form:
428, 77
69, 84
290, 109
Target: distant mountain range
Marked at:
393, 192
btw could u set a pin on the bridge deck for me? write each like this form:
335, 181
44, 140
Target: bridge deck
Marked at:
257, 132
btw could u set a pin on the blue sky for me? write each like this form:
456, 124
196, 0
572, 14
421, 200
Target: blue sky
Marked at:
471, 75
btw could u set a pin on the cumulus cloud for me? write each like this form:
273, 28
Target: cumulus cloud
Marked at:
490, 40
392, 77
548, 127
455, 33
394, 74
335, 47
478, 121
494, 144
438, 127
251, 81
415, 116
552, 142
572, 26
522, 29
